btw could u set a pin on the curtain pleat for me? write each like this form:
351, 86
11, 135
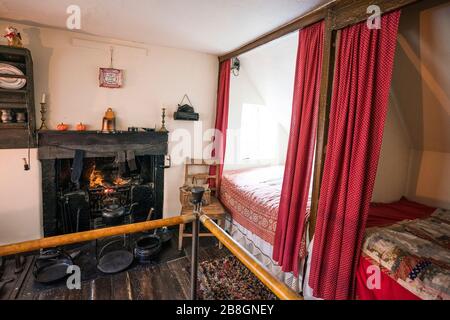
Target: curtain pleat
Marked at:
359, 105
220, 138
289, 243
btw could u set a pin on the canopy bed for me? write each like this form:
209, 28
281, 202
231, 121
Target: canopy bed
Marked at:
351, 95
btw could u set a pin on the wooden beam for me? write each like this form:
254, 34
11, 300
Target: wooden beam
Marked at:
296, 24
57, 241
280, 289
326, 87
349, 12
343, 13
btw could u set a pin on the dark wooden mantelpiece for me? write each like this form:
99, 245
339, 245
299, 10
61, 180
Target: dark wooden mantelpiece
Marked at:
62, 144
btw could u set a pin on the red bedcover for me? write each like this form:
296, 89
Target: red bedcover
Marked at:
381, 214
252, 197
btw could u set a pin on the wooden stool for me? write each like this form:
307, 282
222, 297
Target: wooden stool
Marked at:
215, 211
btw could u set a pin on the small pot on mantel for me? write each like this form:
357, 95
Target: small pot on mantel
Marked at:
81, 127
62, 127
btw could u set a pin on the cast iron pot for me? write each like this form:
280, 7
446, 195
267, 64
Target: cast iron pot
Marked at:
147, 247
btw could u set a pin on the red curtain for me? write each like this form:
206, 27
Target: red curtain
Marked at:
223, 98
358, 109
290, 233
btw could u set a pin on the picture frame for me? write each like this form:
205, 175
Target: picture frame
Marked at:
110, 78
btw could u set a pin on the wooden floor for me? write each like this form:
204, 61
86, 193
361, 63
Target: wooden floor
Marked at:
166, 278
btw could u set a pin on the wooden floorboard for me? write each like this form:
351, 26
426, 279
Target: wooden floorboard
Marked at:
167, 277
181, 269
141, 285
121, 286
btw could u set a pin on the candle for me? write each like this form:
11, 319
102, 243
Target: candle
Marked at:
43, 98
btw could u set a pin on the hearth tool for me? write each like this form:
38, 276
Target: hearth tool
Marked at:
53, 267
75, 212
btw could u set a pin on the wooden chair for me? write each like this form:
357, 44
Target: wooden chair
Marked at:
214, 210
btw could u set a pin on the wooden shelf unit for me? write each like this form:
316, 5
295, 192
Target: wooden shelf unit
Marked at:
18, 135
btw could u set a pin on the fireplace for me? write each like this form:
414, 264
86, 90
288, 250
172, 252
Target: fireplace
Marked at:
85, 172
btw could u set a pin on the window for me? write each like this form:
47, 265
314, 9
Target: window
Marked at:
258, 133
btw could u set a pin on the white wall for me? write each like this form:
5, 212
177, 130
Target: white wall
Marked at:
430, 166
154, 77
20, 197
393, 166
266, 78
429, 179
418, 122
242, 91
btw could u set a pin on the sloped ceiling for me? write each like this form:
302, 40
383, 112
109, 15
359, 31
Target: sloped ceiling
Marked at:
211, 26
421, 79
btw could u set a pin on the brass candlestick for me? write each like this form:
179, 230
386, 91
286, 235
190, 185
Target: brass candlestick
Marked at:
43, 112
163, 126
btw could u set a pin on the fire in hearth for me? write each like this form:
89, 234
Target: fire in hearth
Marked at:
97, 180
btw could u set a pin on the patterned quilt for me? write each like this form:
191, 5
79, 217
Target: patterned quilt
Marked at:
415, 253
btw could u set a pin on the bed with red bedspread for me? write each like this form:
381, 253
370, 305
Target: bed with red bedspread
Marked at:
409, 243
252, 197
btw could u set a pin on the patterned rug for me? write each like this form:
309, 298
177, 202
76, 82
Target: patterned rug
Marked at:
228, 279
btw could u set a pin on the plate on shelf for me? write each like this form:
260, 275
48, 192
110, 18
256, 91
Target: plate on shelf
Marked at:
11, 83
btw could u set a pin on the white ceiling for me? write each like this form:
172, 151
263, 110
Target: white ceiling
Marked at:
210, 26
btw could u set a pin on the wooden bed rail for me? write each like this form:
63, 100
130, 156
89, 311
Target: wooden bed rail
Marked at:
66, 239
281, 290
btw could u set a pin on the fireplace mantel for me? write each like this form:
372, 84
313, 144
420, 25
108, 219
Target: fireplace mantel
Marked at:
62, 144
